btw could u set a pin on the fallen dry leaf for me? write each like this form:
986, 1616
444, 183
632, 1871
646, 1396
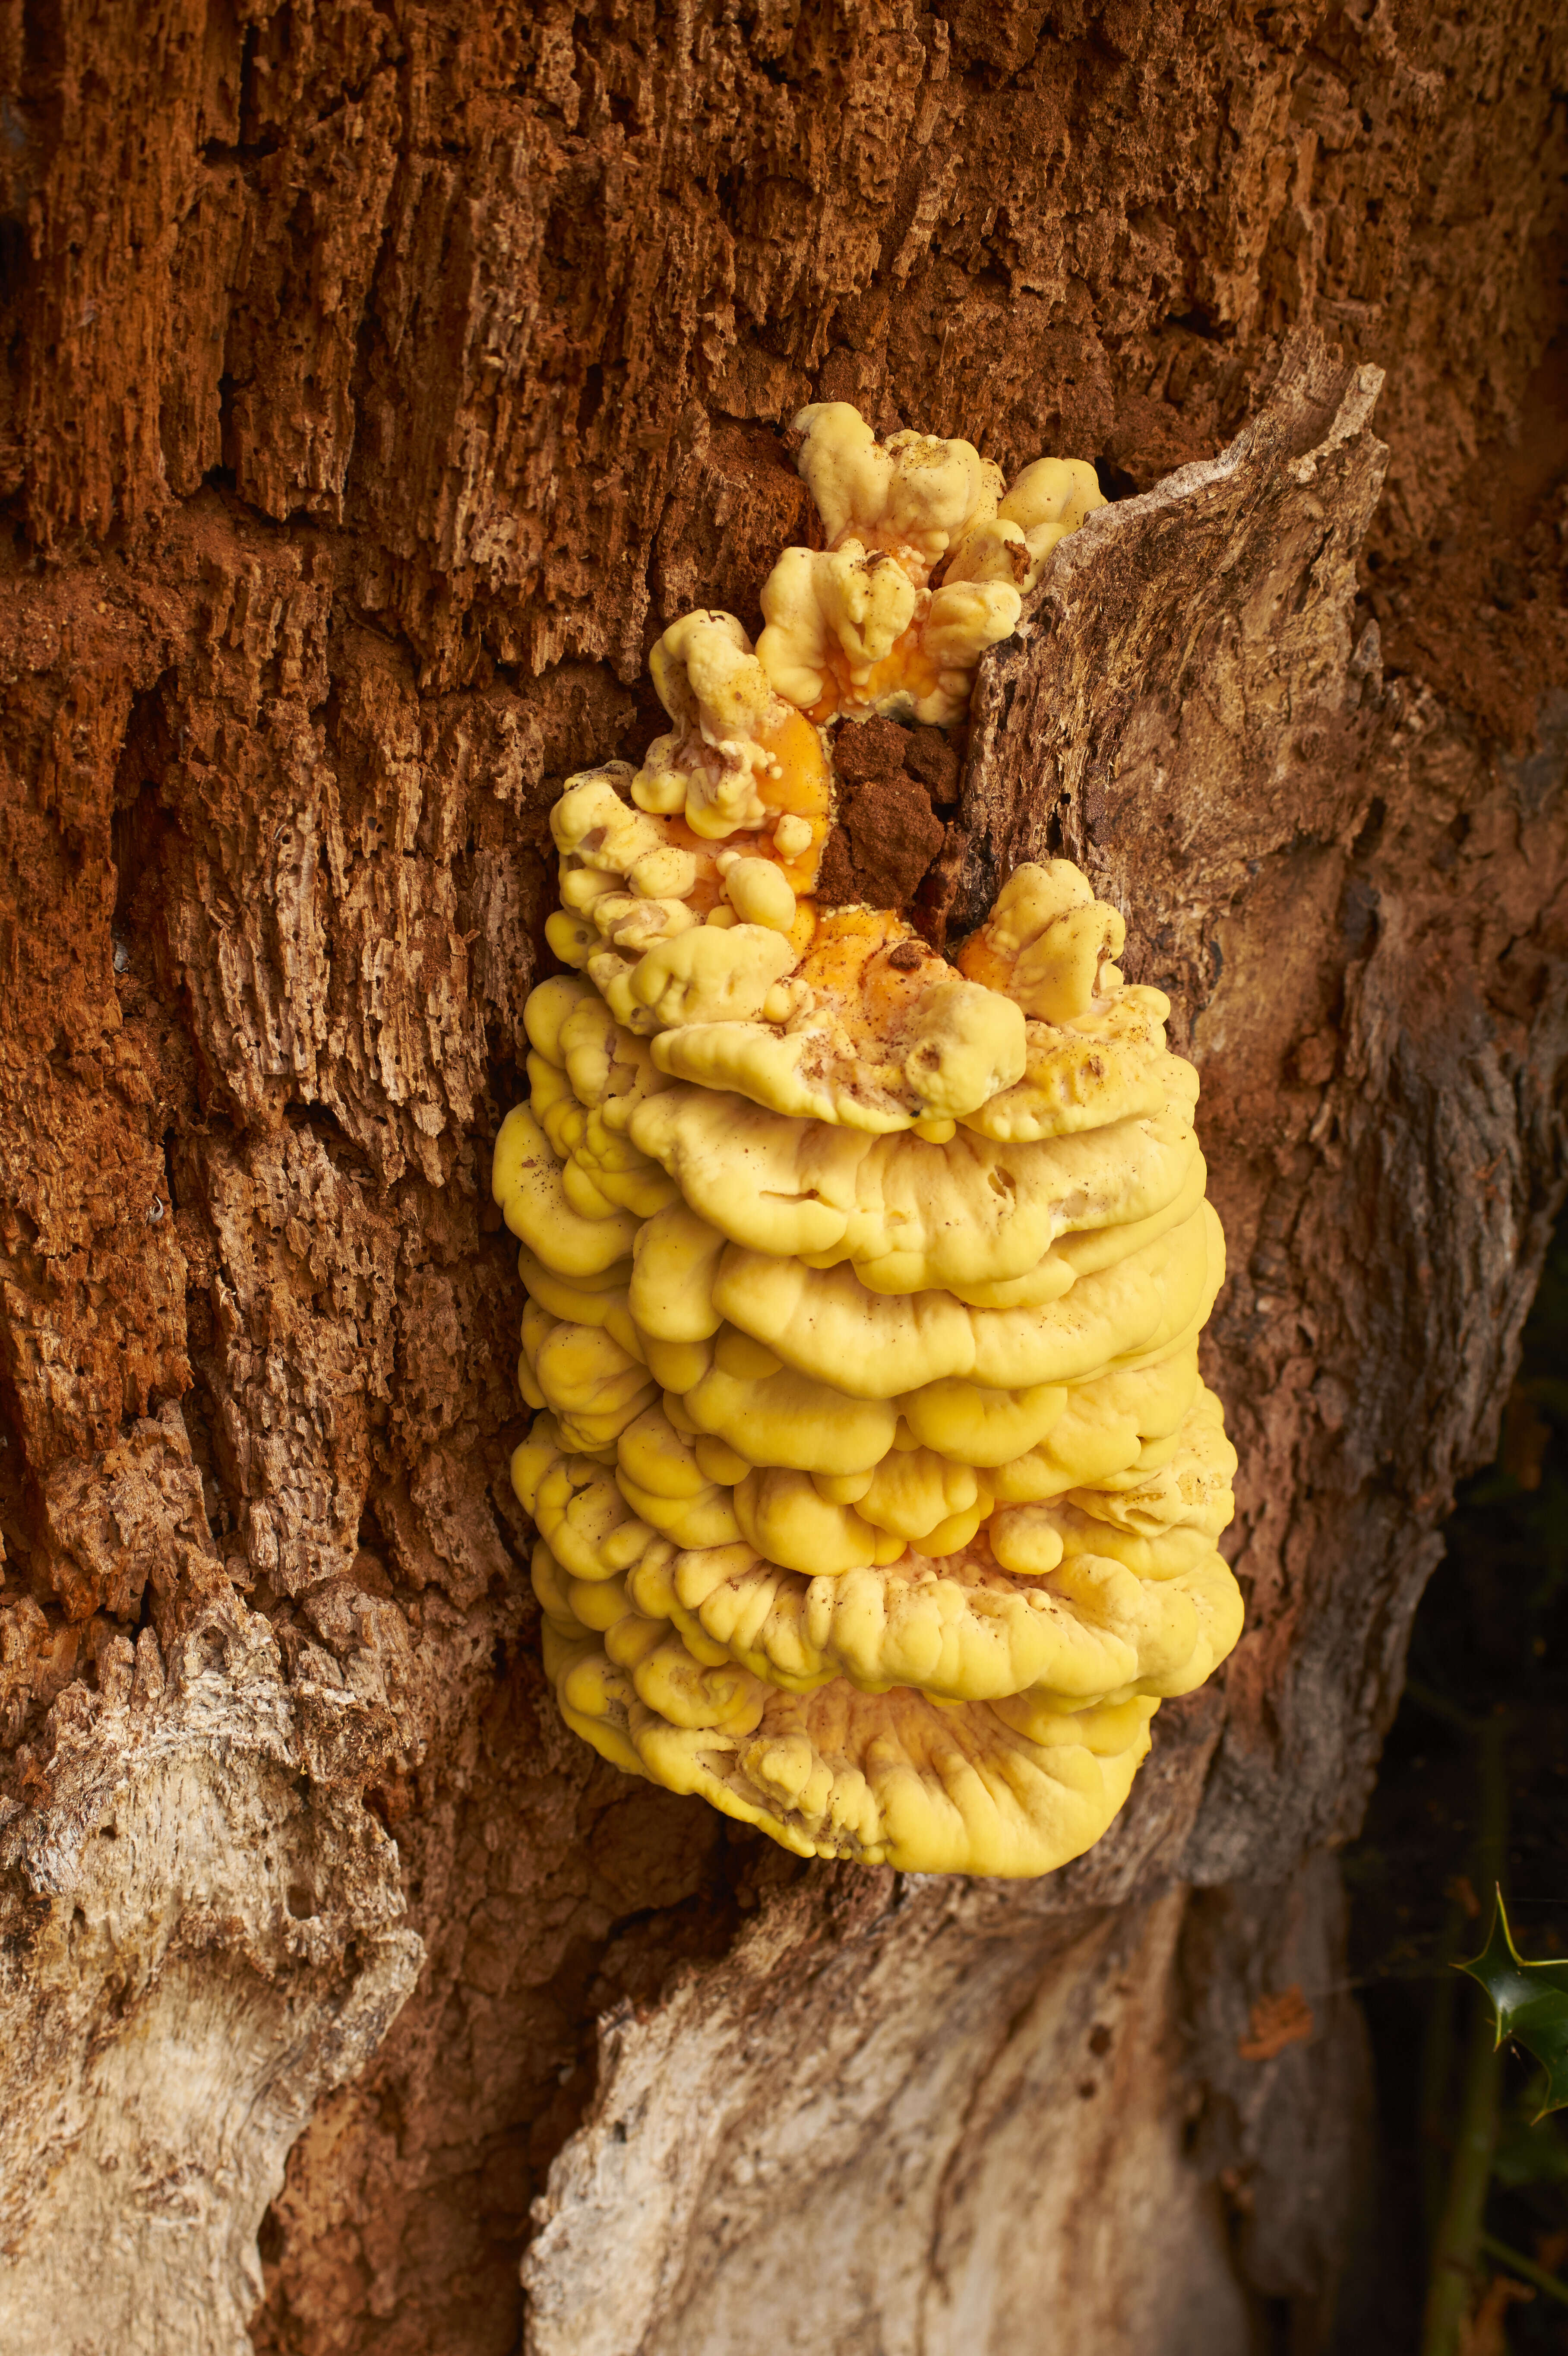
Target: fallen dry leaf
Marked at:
1275, 2022
1486, 2334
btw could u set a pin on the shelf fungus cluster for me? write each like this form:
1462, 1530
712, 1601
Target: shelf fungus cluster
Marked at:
876, 1488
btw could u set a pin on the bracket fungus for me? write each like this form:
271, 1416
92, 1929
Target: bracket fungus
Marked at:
875, 1487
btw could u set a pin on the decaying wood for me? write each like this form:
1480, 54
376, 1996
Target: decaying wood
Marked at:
1364, 939
203, 1934
377, 382
1187, 713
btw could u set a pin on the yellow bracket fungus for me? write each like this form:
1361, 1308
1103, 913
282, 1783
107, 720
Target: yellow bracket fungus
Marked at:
876, 1491
930, 556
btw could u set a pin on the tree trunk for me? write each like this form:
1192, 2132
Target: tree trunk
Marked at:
381, 382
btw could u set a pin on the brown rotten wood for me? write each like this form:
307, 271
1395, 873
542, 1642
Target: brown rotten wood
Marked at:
377, 383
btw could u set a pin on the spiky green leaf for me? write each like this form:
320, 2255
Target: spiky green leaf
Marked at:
1530, 2003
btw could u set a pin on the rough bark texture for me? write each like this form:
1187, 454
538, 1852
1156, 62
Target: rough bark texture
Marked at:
379, 381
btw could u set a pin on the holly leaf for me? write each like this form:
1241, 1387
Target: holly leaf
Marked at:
1530, 2004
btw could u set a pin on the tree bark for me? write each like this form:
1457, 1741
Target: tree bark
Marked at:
381, 382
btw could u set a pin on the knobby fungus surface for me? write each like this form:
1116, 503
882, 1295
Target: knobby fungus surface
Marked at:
876, 1491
